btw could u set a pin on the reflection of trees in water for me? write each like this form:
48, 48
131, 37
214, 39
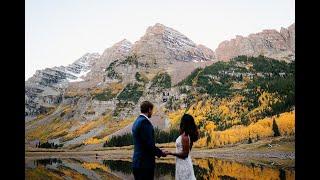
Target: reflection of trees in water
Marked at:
282, 174
126, 168
118, 165
48, 161
161, 168
42, 170
223, 169
164, 169
208, 168
227, 178
200, 172
210, 165
76, 160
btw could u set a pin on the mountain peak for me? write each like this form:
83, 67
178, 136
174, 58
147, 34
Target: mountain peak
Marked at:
158, 24
160, 29
156, 29
122, 46
166, 45
170, 36
123, 43
269, 42
291, 27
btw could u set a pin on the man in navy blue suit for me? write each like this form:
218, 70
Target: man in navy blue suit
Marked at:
143, 160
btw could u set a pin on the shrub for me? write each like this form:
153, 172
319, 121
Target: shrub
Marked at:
161, 80
104, 96
127, 139
49, 145
132, 92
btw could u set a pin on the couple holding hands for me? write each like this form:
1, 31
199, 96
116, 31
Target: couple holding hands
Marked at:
143, 160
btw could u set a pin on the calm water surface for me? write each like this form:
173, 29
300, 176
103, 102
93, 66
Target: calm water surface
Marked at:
205, 168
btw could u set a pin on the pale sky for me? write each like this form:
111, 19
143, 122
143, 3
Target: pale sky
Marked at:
60, 31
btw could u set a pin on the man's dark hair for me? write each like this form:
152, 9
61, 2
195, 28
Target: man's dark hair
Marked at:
146, 106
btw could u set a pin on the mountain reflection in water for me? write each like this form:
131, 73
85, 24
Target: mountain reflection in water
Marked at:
204, 168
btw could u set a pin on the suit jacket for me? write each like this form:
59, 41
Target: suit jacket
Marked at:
144, 144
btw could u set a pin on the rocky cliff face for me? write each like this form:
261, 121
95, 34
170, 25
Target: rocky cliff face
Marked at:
44, 89
59, 75
164, 45
289, 36
269, 43
118, 51
163, 48
160, 49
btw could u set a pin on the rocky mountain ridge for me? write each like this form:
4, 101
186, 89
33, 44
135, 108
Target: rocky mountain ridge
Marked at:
270, 43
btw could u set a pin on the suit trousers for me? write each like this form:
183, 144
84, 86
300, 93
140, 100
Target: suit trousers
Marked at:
143, 173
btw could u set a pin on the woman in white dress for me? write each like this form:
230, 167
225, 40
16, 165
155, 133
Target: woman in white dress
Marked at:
188, 135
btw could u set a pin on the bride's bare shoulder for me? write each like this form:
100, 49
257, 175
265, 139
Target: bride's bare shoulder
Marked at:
185, 137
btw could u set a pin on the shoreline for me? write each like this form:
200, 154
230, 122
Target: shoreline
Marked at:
274, 152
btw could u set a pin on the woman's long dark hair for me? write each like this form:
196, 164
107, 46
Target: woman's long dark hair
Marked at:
189, 127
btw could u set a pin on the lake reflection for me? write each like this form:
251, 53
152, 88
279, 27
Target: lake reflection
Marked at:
205, 168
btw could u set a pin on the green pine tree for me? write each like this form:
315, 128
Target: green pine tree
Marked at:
275, 128
208, 139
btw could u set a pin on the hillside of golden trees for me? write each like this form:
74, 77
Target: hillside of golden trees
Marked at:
221, 121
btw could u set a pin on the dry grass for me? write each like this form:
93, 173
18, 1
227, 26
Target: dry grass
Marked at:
86, 128
111, 127
54, 129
